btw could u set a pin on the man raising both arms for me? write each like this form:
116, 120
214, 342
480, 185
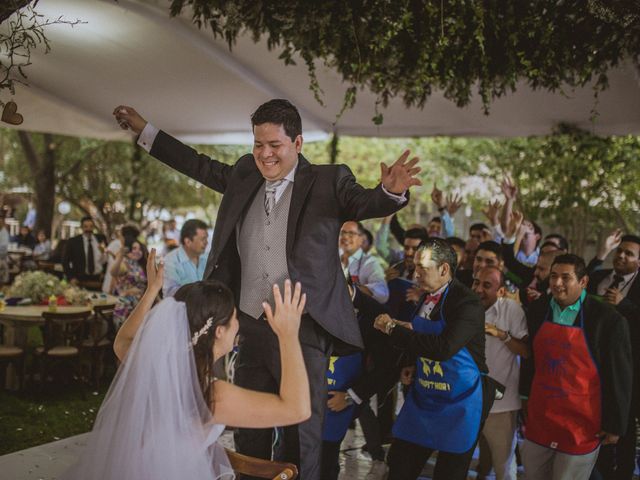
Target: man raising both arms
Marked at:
279, 218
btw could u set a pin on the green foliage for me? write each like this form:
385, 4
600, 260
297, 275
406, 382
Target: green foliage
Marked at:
407, 48
23, 32
101, 178
577, 182
572, 181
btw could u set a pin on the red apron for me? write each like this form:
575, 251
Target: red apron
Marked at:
564, 407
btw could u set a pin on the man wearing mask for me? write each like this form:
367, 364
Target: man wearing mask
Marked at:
578, 380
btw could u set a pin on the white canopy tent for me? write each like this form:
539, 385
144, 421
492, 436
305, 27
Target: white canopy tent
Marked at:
186, 82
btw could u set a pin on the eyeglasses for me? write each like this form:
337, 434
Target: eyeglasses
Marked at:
346, 233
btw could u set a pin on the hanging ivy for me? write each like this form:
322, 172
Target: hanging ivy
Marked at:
409, 48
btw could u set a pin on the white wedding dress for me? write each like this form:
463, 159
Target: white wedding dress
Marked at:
154, 423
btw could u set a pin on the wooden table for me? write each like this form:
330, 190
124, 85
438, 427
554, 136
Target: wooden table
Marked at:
18, 319
30, 315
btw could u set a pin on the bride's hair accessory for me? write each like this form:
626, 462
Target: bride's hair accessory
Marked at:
202, 331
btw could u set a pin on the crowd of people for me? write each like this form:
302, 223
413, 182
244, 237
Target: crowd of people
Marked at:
508, 311
502, 335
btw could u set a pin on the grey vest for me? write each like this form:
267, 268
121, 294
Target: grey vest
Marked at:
262, 245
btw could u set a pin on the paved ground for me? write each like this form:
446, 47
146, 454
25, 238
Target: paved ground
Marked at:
48, 461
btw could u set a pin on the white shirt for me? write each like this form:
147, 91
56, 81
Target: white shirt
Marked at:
624, 286
504, 365
97, 254
4, 242
427, 307
113, 247
369, 274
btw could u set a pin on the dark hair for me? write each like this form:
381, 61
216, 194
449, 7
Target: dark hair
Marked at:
631, 239
537, 231
491, 246
478, 226
279, 112
359, 225
564, 243
129, 231
86, 218
369, 236
441, 253
456, 242
549, 243
190, 228
436, 219
129, 241
417, 233
207, 299
570, 259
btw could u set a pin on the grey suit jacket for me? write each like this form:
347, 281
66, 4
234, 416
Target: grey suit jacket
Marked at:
323, 198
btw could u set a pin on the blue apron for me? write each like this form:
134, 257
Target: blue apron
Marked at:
341, 375
443, 408
397, 304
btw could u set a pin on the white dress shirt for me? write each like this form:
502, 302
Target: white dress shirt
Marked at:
92, 242
504, 365
624, 286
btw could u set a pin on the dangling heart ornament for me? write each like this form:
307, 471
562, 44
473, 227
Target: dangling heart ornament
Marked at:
10, 114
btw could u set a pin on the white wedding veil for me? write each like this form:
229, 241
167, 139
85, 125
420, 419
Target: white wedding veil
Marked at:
154, 423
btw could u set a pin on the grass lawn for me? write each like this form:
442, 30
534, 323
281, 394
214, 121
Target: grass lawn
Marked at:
28, 419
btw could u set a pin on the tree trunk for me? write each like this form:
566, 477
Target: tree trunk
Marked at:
136, 168
43, 168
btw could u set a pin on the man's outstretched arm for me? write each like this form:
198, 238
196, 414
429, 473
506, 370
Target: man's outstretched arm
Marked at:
172, 152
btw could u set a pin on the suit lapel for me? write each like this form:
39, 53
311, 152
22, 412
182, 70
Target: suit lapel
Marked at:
303, 180
236, 200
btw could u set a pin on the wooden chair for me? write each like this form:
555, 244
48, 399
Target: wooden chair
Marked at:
15, 264
95, 285
63, 337
260, 468
99, 339
14, 356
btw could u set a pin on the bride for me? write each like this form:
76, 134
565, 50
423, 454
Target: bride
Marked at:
164, 410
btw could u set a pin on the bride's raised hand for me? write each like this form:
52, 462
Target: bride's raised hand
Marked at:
155, 273
288, 310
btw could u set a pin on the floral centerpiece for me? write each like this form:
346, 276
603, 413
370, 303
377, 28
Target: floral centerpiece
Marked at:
40, 287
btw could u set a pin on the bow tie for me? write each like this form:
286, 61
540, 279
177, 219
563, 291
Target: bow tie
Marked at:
431, 298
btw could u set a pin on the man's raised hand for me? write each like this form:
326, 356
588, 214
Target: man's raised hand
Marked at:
400, 175
610, 243
509, 189
128, 118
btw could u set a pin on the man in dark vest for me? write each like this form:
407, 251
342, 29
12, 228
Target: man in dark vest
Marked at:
451, 394
279, 218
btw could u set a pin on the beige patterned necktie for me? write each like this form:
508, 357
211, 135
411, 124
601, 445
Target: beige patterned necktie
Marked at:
270, 195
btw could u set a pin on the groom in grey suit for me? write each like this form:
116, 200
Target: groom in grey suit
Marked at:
280, 218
